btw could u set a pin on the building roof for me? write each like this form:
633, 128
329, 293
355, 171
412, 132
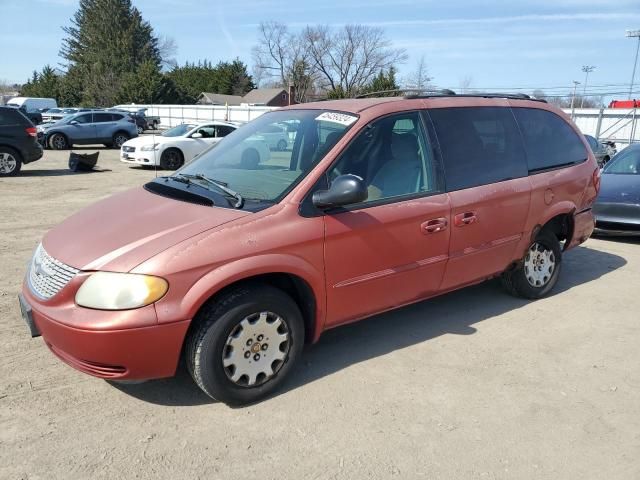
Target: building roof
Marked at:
262, 96
220, 99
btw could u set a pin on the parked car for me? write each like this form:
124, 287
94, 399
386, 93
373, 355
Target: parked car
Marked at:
276, 137
53, 114
18, 143
599, 150
235, 262
617, 209
88, 128
174, 147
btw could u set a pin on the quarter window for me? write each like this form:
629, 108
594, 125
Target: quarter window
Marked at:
549, 140
393, 157
479, 145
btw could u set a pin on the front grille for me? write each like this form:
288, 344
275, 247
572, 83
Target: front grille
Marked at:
128, 149
47, 276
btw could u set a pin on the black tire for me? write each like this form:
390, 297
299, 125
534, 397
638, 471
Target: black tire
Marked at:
118, 139
282, 145
171, 159
139, 129
206, 344
10, 162
58, 141
520, 281
154, 125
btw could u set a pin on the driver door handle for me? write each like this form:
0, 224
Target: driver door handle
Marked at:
434, 226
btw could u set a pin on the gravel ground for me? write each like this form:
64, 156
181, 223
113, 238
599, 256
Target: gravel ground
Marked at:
474, 384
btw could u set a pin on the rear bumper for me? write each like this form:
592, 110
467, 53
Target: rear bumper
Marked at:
583, 225
617, 218
32, 152
132, 353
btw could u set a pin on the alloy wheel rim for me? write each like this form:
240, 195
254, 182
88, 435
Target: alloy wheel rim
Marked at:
8, 163
120, 140
256, 349
59, 142
539, 265
172, 160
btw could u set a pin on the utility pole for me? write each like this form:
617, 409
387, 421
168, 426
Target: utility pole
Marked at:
587, 69
633, 34
573, 97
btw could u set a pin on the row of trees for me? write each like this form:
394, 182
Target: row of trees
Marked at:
112, 55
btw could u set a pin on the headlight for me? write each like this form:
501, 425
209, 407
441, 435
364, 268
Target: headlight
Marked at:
120, 291
148, 148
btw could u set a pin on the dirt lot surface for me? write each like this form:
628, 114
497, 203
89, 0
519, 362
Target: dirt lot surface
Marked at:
475, 384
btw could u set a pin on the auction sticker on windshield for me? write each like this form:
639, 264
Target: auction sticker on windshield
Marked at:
341, 118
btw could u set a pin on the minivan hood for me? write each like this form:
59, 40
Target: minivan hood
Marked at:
124, 230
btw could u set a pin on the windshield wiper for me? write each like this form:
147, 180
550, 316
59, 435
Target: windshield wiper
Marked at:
216, 183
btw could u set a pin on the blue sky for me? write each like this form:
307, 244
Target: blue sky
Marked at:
517, 43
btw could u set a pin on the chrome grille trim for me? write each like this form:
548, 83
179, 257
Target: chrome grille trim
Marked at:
47, 276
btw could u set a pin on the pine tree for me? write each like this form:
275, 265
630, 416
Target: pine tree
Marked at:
108, 41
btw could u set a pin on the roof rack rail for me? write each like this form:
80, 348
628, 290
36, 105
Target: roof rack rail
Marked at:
513, 96
410, 92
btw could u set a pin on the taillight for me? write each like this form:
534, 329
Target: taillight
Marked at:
595, 178
31, 131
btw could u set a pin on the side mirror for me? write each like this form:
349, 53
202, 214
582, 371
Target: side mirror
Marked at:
345, 190
196, 135
73, 122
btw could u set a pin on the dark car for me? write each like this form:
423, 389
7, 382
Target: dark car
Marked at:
617, 209
18, 142
89, 128
600, 151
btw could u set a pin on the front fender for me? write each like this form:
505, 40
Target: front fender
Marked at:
185, 305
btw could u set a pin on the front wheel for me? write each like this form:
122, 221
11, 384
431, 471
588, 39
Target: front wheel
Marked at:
537, 273
58, 142
171, 159
244, 345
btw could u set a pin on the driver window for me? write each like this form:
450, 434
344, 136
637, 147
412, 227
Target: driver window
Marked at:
393, 157
207, 132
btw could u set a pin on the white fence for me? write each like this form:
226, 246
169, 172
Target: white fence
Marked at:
172, 115
621, 125
617, 124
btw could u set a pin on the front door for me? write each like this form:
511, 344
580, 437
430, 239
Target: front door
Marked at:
486, 177
83, 131
391, 249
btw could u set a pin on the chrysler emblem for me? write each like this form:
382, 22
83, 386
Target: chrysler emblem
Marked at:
40, 269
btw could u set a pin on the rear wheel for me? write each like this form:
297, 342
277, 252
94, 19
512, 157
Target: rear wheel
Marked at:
171, 159
119, 138
245, 344
538, 271
10, 162
140, 129
58, 141
282, 145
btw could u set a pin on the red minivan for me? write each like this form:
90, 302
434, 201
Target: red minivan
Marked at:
244, 255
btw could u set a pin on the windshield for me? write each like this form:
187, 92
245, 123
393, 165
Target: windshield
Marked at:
265, 158
626, 162
179, 130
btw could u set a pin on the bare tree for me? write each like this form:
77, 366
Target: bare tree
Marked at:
167, 48
282, 58
419, 79
349, 58
465, 83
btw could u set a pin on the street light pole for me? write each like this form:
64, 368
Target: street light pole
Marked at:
573, 97
587, 69
633, 34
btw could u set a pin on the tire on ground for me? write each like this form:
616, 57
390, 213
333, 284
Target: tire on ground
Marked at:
10, 162
516, 282
206, 343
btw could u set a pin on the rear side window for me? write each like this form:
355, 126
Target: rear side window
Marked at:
549, 140
479, 145
223, 130
11, 117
